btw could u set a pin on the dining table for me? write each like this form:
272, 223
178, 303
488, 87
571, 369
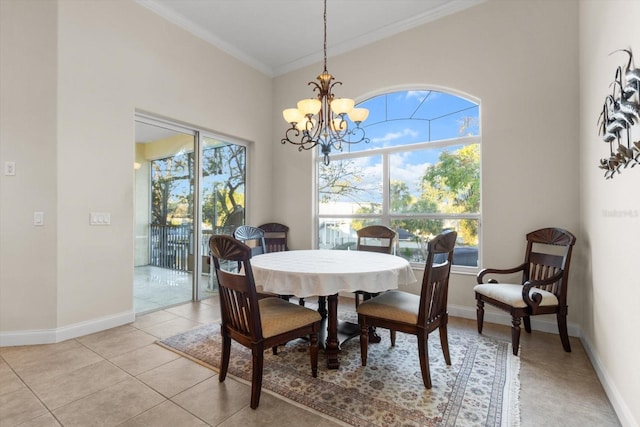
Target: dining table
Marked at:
325, 273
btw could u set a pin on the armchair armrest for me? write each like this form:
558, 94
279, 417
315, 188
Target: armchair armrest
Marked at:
485, 271
534, 300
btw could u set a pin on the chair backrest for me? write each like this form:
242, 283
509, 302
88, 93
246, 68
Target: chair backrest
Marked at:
435, 281
238, 298
376, 238
549, 253
252, 237
275, 236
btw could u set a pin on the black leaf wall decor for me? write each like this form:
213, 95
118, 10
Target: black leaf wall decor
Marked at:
620, 112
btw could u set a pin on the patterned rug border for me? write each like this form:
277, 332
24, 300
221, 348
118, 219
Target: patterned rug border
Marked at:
507, 379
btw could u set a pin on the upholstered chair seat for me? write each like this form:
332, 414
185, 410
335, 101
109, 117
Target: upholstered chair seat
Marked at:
393, 305
512, 294
278, 316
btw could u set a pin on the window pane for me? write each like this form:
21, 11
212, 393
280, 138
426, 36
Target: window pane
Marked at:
444, 180
223, 175
455, 125
340, 233
409, 117
349, 187
414, 234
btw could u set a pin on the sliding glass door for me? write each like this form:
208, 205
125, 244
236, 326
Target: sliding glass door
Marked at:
189, 185
222, 196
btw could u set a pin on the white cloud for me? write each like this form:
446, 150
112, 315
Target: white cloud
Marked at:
392, 136
411, 174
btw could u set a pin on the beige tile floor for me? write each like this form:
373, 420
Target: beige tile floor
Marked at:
120, 377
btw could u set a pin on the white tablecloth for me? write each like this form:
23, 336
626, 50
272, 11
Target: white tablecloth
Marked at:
326, 272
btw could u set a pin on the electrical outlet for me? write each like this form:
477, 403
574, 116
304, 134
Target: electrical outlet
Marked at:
9, 168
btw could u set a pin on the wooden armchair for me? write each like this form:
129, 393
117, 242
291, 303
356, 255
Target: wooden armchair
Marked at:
253, 323
415, 314
542, 289
374, 238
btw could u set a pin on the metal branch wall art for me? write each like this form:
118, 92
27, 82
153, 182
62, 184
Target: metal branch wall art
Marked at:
620, 112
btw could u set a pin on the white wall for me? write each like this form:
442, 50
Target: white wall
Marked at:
611, 282
75, 149
520, 60
28, 62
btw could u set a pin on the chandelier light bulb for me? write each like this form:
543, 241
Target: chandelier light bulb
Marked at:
358, 115
342, 105
292, 115
309, 106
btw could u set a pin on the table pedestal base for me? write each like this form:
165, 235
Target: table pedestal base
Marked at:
334, 332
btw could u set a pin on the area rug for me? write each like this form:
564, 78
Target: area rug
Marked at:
480, 388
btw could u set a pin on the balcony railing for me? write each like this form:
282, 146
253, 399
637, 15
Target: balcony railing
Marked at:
171, 246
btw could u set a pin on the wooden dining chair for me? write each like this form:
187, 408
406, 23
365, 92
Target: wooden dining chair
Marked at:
252, 237
256, 323
275, 236
541, 290
374, 238
415, 314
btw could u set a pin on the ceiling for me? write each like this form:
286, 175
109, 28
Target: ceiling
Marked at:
278, 36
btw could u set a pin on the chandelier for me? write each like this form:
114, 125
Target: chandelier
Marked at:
322, 120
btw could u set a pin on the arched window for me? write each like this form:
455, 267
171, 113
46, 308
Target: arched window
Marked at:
419, 174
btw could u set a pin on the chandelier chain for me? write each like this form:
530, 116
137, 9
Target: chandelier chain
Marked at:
325, 36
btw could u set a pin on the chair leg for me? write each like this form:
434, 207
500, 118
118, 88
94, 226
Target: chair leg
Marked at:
364, 339
224, 360
527, 324
564, 334
313, 351
480, 315
515, 334
256, 376
301, 302
423, 354
392, 333
274, 350
444, 343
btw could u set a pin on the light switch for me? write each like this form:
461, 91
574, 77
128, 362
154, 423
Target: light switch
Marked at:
9, 168
100, 218
38, 218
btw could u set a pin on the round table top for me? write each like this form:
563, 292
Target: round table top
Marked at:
307, 273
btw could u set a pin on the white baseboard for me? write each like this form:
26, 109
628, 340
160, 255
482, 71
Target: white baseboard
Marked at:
622, 409
538, 323
50, 336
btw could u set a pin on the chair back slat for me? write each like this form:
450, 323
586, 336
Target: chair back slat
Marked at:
376, 238
435, 281
238, 297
